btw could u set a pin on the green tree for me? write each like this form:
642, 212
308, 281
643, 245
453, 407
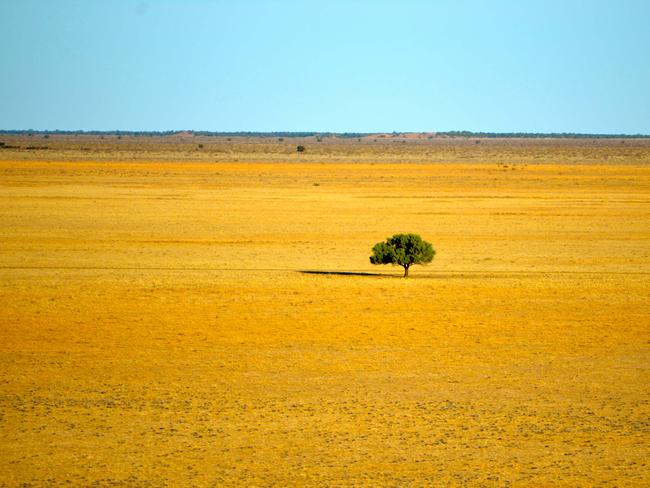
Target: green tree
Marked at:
403, 249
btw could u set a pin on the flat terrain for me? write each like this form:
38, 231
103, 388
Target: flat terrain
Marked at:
182, 322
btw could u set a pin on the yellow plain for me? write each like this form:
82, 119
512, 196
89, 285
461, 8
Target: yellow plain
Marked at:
194, 323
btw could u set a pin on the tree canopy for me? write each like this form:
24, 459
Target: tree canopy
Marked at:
404, 250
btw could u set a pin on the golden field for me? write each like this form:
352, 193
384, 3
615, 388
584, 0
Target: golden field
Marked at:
181, 322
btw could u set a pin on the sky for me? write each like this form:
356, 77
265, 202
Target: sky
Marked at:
326, 66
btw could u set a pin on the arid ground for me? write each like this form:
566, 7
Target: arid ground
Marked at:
209, 317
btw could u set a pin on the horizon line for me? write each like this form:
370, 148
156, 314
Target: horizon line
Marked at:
452, 133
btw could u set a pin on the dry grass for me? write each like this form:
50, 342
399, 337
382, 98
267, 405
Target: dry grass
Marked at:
375, 149
156, 328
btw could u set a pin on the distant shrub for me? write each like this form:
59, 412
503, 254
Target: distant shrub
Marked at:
200, 146
280, 139
300, 148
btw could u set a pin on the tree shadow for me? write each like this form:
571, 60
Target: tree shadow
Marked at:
342, 273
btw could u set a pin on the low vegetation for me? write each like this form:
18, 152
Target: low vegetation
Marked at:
155, 329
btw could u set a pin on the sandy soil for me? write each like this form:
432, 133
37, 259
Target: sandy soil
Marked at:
379, 148
195, 323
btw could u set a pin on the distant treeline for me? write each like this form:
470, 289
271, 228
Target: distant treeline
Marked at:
540, 135
180, 132
456, 133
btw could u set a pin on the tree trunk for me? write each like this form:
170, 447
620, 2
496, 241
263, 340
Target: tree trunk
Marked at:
406, 271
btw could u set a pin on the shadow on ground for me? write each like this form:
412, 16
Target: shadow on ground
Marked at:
342, 273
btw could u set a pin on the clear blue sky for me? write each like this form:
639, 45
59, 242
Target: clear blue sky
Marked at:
366, 66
